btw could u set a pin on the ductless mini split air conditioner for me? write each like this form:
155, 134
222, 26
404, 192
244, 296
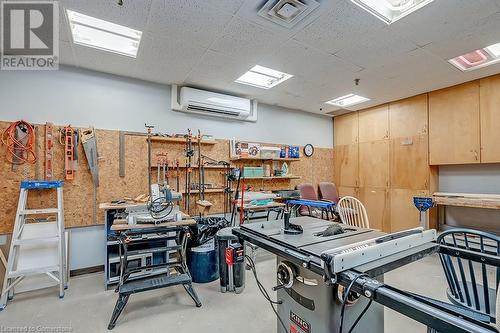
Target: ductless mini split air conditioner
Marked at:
208, 103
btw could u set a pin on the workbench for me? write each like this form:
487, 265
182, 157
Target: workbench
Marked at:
469, 200
249, 210
326, 207
151, 257
114, 225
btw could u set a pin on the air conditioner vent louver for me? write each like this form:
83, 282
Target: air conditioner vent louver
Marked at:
287, 13
212, 110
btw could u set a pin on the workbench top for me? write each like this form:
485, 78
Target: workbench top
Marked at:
473, 200
123, 227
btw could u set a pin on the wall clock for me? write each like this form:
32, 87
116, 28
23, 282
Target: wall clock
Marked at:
308, 150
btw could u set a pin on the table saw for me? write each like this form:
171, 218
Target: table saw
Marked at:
315, 267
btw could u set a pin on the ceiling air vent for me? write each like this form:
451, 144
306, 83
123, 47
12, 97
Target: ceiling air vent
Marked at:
287, 13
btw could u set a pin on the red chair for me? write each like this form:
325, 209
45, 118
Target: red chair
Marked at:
328, 192
308, 192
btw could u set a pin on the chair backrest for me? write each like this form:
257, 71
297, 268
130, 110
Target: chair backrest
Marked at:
352, 212
470, 283
308, 192
328, 191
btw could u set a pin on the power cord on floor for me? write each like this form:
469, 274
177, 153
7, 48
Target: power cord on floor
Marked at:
344, 301
264, 292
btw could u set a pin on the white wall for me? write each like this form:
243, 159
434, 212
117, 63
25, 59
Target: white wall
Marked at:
83, 98
483, 178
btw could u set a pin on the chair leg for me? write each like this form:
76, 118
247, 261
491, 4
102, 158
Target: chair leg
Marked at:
190, 290
120, 305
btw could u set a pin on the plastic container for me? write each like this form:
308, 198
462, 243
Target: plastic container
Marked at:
203, 262
270, 152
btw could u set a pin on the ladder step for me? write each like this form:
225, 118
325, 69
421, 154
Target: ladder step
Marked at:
39, 211
31, 271
39, 240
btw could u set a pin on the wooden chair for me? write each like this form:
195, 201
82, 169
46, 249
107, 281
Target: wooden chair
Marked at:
470, 283
352, 212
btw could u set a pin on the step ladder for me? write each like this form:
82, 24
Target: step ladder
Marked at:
37, 247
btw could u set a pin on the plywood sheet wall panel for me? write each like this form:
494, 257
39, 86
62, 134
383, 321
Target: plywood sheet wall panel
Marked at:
345, 129
409, 163
78, 192
344, 191
408, 117
404, 215
490, 119
374, 164
374, 124
377, 204
346, 161
454, 135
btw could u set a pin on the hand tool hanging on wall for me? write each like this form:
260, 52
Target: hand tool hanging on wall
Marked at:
149, 129
177, 174
19, 139
69, 138
89, 142
49, 144
201, 185
189, 156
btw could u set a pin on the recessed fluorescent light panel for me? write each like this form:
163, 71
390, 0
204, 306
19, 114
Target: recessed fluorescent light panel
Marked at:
348, 100
478, 59
103, 35
390, 11
263, 77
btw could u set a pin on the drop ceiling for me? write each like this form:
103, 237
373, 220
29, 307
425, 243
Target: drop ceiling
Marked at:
210, 43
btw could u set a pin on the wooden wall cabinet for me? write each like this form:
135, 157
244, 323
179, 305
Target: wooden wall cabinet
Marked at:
454, 135
408, 117
346, 162
344, 191
490, 119
403, 214
345, 129
374, 124
409, 163
377, 204
374, 164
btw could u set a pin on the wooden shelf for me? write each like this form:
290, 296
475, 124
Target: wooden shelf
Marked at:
208, 190
273, 177
263, 159
181, 140
173, 167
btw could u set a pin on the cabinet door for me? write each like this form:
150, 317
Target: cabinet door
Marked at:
376, 202
454, 125
345, 129
409, 166
490, 119
374, 124
374, 164
346, 165
345, 191
408, 117
404, 215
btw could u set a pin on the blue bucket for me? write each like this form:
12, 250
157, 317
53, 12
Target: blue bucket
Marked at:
203, 262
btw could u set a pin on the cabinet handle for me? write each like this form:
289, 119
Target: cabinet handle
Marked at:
475, 155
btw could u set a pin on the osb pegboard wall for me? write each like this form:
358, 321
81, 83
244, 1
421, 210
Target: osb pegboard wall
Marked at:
78, 206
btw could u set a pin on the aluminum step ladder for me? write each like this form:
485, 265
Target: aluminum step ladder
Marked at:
37, 247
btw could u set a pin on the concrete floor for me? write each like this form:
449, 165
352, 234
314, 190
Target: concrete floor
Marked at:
87, 307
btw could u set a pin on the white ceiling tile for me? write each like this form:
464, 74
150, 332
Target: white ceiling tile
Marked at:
443, 19
247, 41
103, 61
66, 56
187, 21
133, 14
486, 32
166, 60
340, 27
377, 48
306, 61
